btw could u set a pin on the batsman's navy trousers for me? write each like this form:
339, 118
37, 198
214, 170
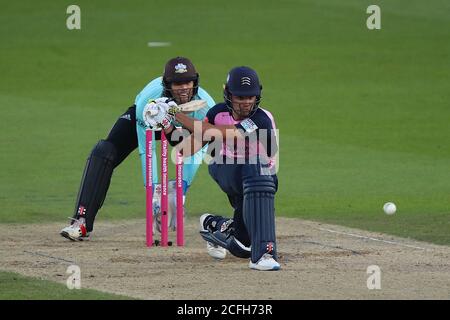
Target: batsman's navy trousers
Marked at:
230, 178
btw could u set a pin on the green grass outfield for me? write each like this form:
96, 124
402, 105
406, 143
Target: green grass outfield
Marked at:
17, 287
363, 115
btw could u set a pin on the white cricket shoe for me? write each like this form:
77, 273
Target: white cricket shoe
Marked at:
266, 263
215, 251
76, 231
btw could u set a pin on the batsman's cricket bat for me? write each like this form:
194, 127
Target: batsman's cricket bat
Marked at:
190, 106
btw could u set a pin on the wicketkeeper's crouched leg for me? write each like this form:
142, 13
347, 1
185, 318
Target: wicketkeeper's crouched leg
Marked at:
103, 159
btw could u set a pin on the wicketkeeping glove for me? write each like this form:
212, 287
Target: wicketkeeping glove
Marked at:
156, 115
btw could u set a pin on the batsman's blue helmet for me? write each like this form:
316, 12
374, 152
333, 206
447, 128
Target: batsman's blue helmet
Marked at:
244, 82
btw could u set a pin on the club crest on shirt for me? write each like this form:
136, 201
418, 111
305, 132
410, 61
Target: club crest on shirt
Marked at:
180, 68
248, 125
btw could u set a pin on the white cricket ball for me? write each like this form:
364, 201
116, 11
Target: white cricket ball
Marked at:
389, 208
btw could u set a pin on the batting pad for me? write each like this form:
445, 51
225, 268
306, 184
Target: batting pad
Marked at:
95, 181
259, 215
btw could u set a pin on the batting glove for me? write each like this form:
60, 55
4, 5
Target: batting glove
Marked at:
166, 122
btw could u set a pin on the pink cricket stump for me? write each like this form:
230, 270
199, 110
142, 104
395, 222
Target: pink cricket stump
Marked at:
149, 186
164, 191
180, 208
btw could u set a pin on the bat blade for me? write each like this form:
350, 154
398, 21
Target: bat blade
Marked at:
193, 105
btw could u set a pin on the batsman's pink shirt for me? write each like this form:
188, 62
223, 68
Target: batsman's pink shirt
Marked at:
259, 127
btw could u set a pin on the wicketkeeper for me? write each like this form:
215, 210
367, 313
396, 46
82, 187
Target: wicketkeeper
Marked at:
243, 144
179, 82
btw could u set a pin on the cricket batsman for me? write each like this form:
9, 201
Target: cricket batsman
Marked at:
242, 143
180, 83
